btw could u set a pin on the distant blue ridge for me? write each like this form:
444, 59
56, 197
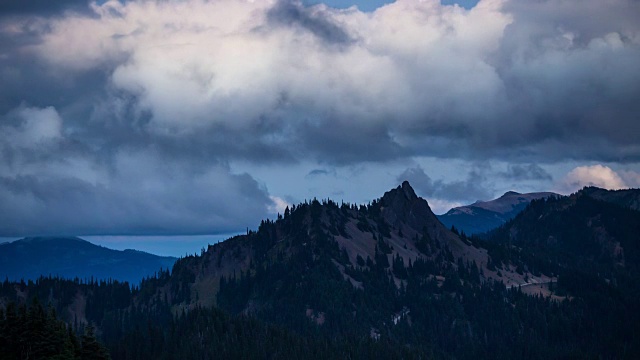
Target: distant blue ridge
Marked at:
71, 257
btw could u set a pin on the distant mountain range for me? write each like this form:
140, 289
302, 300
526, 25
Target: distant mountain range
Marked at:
71, 257
483, 216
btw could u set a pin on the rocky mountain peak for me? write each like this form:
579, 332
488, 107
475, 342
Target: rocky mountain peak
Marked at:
402, 205
408, 191
403, 194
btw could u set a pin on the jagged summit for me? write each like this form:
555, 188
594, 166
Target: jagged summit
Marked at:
408, 190
403, 192
402, 205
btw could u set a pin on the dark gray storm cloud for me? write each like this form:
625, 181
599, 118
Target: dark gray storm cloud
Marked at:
36, 205
132, 107
291, 13
350, 145
58, 181
27, 79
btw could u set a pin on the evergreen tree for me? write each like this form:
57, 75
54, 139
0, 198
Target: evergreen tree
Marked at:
91, 349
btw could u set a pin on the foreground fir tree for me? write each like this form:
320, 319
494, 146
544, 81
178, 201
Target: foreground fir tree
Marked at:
33, 332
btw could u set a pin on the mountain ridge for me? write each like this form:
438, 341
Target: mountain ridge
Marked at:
629, 198
70, 257
583, 229
483, 216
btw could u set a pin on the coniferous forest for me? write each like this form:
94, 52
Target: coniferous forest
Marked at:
383, 280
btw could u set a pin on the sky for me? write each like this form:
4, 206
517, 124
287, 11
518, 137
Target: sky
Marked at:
196, 117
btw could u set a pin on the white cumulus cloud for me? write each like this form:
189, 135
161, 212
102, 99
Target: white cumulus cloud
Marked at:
595, 175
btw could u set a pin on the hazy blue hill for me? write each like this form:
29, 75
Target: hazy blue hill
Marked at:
483, 216
71, 257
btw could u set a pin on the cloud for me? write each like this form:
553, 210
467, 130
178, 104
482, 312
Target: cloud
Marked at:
127, 204
630, 178
279, 205
596, 175
196, 86
320, 172
504, 79
31, 127
50, 185
526, 172
440, 206
471, 189
313, 19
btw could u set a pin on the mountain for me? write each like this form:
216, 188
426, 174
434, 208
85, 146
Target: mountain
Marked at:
71, 257
483, 216
382, 280
589, 241
594, 228
398, 228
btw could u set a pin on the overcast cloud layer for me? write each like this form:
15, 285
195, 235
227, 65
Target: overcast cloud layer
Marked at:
130, 117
